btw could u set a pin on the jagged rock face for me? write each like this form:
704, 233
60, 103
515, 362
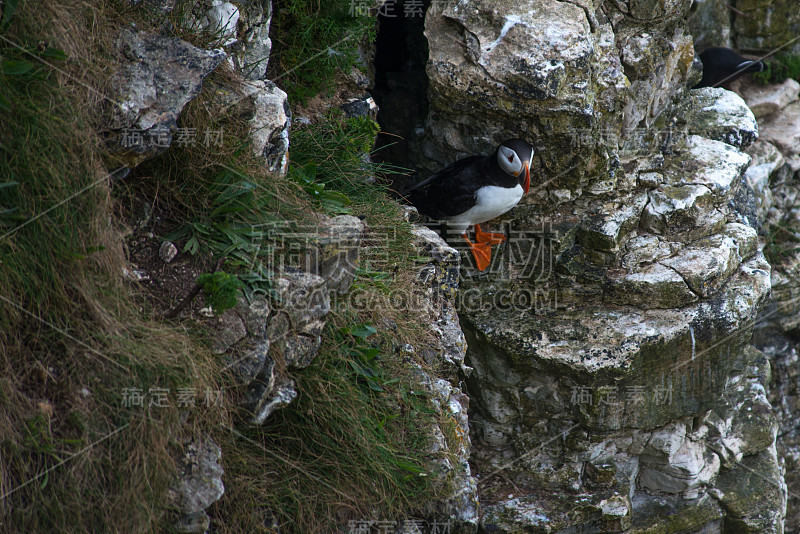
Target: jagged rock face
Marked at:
438, 280
549, 72
744, 24
765, 24
242, 28
765, 101
158, 77
198, 485
710, 23
614, 386
266, 109
776, 160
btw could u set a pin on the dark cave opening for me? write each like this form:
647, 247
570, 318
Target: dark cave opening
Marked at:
401, 83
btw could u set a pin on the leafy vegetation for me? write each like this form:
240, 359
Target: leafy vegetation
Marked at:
779, 68
221, 289
313, 42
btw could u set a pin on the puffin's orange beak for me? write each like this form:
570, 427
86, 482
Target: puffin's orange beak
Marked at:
527, 183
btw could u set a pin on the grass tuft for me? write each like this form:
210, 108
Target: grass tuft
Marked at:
778, 69
72, 455
313, 42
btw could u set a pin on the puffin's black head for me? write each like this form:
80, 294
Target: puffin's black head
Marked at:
722, 65
515, 157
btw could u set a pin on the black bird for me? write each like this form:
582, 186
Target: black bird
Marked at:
476, 189
723, 65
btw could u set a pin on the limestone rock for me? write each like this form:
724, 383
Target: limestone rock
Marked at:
270, 399
504, 64
158, 77
167, 251
265, 106
253, 58
766, 160
722, 115
439, 281
517, 516
643, 250
707, 264
269, 126
783, 130
710, 24
764, 24
245, 319
607, 230
770, 99
672, 208
654, 285
254, 312
706, 176
453, 469
687, 467
658, 9
656, 513
221, 20
230, 330
249, 363
363, 106
652, 89
295, 330
785, 398
291, 326
754, 494
535, 514
198, 486
335, 253
436, 289
241, 27
620, 404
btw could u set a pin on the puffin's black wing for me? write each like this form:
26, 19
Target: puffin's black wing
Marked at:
723, 65
450, 191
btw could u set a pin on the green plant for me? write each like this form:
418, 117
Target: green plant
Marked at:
237, 226
361, 356
342, 449
220, 289
779, 68
331, 201
312, 42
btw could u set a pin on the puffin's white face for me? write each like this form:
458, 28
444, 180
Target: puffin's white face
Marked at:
509, 160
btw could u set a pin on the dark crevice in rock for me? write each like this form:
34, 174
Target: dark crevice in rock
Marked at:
688, 285
401, 83
590, 17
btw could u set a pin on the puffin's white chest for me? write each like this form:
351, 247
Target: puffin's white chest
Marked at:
490, 201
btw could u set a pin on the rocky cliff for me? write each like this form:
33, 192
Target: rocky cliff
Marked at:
628, 361
611, 372
615, 384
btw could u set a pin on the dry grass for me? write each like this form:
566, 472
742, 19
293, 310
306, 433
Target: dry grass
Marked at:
73, 457
75, 334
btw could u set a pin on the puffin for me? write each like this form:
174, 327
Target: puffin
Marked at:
723, 65
476, 189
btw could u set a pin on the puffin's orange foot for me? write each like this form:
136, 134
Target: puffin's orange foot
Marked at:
488, 237
482, 252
